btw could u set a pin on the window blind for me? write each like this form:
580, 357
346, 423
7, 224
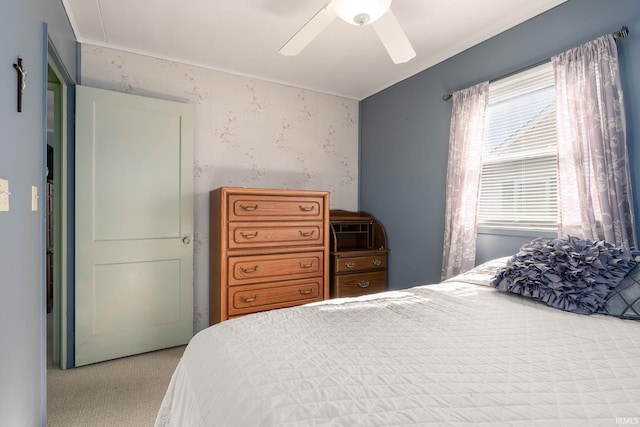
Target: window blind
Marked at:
519, 164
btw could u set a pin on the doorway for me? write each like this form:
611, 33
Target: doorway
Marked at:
53, 217
58, 208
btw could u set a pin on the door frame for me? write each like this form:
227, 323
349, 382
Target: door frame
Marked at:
63, 201
54, 85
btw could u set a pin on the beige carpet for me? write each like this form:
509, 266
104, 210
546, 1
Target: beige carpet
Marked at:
123, 392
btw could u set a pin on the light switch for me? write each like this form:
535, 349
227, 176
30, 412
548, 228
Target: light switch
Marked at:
4, 195
34, 198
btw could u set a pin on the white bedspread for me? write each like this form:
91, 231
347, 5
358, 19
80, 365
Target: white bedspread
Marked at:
453, 354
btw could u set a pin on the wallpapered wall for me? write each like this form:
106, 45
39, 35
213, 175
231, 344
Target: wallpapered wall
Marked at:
248, 133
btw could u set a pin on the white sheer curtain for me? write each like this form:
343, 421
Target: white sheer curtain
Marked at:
594, 185
464, 169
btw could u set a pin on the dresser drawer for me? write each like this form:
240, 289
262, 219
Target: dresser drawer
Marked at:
360, 263
273, 268
351, 285
269, 208
269, 234
259, 297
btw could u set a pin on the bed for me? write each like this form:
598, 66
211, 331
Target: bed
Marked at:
457, 353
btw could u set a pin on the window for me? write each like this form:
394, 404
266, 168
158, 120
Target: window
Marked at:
519, 160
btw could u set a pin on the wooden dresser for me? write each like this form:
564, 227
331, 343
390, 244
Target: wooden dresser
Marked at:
268, 249
358, 254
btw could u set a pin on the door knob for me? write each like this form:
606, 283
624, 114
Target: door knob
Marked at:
186, 240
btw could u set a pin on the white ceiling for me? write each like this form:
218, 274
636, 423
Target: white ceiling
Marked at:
243, 36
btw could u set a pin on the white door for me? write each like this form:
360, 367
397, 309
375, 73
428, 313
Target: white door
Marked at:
134, 225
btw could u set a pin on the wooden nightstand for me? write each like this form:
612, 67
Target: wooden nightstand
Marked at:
358, 254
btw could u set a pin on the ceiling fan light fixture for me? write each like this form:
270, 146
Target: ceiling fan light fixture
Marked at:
356, 12
362, 18
361, 12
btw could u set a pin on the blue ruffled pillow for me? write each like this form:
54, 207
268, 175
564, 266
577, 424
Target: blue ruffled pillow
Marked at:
571, 274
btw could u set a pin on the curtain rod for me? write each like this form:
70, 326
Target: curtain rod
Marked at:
621, 34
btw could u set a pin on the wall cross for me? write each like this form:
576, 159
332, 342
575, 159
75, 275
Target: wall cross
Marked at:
22, 82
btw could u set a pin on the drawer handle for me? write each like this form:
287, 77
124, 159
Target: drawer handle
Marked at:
377, 262
303, 292
350, 264
309, 234
364, 283
305, 265
249, 236
249, 208
306, 208
249, 270
245, 299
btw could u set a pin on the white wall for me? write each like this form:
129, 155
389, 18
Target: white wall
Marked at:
248, 133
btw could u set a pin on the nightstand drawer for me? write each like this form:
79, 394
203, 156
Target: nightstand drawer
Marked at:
351, 285
275, 268
360, 263
253, 298
269, 208
262, 235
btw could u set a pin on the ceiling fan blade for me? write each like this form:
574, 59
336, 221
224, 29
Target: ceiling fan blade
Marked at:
393, 38
309, 31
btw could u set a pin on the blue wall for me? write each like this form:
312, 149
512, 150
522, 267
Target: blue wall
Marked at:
22, 148
405, 130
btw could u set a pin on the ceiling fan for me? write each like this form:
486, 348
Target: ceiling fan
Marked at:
356, 12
